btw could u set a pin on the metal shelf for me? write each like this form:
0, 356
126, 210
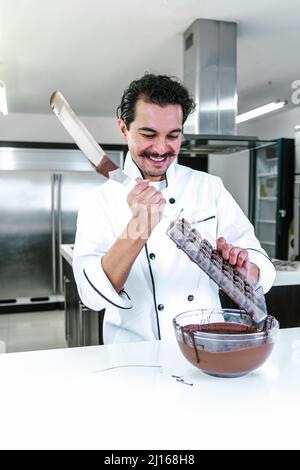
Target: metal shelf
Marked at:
270, 198
266, 221
263, 175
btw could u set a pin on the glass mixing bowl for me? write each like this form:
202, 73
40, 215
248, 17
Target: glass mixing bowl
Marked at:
223, 342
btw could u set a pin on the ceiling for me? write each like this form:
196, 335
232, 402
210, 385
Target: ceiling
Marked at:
91, 49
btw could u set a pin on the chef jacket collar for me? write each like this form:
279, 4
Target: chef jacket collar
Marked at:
131, 169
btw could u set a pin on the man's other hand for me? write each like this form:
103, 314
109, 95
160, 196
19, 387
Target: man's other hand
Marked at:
239, 259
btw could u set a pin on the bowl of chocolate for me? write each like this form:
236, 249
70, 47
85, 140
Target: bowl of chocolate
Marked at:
224, 342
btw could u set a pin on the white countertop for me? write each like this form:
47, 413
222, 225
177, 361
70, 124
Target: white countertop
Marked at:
124, 397
66, 252
287, 278
287, 273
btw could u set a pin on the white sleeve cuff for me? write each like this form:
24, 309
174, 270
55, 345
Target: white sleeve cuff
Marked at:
98, 285
267, 272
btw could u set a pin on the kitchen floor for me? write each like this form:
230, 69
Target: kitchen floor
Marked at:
32, 331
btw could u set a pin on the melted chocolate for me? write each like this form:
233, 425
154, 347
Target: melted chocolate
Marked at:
105, 166
222, 328
226, 363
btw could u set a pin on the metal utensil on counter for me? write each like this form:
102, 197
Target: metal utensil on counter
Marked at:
85, 141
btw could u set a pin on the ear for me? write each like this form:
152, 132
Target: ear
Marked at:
123, 129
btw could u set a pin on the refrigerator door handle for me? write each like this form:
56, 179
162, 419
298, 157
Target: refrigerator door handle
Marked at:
297, 229
68, 312
59, 234
297, 220
56, 233
53, 230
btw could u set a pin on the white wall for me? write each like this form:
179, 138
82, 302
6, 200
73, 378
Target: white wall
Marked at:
47, 128
272, 126
234, 171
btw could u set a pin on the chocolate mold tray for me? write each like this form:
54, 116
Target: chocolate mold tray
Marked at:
201, 252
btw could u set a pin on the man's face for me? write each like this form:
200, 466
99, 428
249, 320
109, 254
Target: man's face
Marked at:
154, 137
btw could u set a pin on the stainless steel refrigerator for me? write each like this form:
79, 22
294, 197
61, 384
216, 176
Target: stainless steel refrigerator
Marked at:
41, 187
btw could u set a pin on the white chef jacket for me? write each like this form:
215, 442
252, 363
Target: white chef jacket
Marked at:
163, 282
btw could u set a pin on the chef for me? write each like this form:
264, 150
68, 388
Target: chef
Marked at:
123, 260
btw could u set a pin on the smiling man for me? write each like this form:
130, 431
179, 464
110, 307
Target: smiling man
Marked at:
154, 137
123, 260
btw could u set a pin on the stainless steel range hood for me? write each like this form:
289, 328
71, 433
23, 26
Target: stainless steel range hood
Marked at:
202, 144
210, 76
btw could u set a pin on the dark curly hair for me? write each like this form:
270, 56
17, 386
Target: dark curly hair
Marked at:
158, 89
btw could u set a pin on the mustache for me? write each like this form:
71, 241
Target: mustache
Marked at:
157, 155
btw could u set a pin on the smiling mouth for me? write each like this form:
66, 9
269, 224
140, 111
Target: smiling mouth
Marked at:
156, 159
